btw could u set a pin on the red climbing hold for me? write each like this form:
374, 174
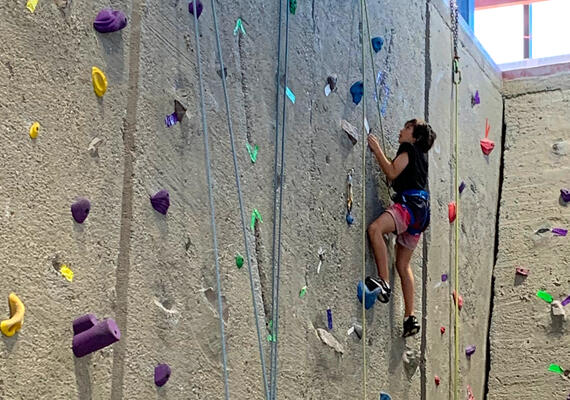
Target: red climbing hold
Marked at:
452, 211
442, 330
460, 302
487, 145
437, 380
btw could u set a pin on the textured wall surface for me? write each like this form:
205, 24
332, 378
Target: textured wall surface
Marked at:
155, 274
535, 169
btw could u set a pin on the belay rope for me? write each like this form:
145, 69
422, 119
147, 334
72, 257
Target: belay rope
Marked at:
456, 81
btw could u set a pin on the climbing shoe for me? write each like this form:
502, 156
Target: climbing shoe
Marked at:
385, 291
411, 326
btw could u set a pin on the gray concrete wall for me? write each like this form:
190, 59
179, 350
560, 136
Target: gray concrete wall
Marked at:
153, 273
523, 330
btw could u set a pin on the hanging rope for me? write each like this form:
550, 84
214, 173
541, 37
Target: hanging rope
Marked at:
278, 185
456, 81
240, 198
363, 205
212, 210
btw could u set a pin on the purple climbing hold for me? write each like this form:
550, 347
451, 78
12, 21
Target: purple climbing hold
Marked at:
566, 301
161, 201
443, 277
84, 323
101, 335
560, 231
161, 374
470, 350
109, 21
80, 210
357, 91
475, 99
565, 194
462, 187
199, 7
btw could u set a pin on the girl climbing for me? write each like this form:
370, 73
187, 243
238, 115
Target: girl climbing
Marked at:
408, 217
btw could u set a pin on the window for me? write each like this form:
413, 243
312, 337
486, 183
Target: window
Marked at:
501, 32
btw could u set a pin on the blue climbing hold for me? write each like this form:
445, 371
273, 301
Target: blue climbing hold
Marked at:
377, 44
385, 396
349, 219
370, 296
357, 90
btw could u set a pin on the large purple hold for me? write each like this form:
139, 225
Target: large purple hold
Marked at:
83, 323
565, 194
161, 374
161, 201
109, 21
80, 210
566, 301
470, 350
103, 334
199, 6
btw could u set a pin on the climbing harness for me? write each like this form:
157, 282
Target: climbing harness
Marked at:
278, 185
416, 202
456, 81
212, 210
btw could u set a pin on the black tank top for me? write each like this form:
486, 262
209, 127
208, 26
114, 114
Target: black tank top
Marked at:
415, 175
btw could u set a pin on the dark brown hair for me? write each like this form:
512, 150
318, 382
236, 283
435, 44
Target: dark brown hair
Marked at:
423, 133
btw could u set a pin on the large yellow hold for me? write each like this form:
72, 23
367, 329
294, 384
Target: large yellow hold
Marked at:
99, 81
34, 130
10, 326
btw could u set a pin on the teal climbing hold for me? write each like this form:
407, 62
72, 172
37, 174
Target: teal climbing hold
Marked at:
370, 296
293, 6
377, 44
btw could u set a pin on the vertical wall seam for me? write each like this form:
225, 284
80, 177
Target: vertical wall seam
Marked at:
123, 268
427, 234
496, 253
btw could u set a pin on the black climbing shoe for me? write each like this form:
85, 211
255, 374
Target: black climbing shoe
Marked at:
385, 291
411, 326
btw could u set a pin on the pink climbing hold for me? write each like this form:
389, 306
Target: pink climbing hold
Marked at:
452, 211
487, 145
470, 395
522, 271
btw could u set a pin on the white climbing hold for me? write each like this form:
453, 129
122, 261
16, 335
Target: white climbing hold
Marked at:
328, 339
327, 90
366, 125
94, 146
557, 310
350, 130
321, 258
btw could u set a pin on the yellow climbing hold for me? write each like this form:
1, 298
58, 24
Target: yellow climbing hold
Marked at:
10, 326
31, 5
66, 272
99, 81
34, 130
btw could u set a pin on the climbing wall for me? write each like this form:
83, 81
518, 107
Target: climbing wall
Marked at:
529, 325
154, 274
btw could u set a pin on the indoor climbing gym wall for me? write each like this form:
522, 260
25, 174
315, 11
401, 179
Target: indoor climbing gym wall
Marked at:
529, 325
187, 186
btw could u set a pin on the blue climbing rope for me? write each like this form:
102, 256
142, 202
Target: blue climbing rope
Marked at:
278, 185
212, 210
240, 198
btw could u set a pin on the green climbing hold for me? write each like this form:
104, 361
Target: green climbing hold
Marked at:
303, 292
544, 296
239, 27
293, 6
271, 336
255, 215
556, 368
239, 260
252, 151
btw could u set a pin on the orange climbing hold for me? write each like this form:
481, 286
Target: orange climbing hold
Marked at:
460, 303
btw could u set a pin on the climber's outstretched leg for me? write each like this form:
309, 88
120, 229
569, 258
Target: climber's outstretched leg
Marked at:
403, 257
382, 225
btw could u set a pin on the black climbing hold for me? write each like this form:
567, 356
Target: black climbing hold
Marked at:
377, 44
357, 90
331, 81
